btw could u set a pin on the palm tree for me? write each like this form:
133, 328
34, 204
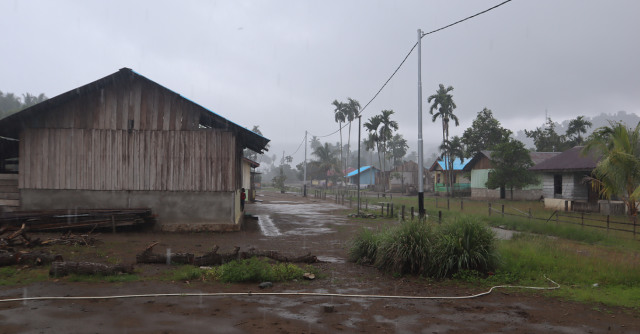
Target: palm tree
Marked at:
576, 127
451, 150
443, 103
618, 171
351, 111
326, 160
339, 116
381, 129
374, 139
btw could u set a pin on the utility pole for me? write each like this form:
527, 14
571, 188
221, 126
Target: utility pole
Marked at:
304, 183
421, 211
358, 178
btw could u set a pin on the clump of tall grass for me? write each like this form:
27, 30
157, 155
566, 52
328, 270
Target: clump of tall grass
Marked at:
416, 247
465, 244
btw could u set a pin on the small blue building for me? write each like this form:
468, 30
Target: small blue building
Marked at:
367, 176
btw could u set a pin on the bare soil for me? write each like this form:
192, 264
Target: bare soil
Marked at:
291, 225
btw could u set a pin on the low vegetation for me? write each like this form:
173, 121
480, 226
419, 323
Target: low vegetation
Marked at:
417, 247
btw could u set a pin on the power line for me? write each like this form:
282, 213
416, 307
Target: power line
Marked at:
416, 44
405, 59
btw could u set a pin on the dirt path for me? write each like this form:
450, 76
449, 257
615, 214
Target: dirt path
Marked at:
292, 225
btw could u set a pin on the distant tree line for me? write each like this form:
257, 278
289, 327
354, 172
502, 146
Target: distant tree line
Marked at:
11, 103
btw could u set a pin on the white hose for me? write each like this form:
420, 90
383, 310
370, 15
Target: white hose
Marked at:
250, 293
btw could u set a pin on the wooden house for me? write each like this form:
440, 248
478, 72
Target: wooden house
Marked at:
367, 176
124, 141
439, 170
565, 182
480, 166
404, 178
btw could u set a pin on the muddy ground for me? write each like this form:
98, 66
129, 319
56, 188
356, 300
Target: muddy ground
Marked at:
292, 225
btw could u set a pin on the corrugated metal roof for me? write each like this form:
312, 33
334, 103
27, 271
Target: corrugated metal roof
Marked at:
362, 169
572, 159
457, 163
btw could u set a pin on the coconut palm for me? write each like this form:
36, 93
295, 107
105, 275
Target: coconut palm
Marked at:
326, 160
351, 111
339, 117
618, 171
576, 127
443, 104
373, 140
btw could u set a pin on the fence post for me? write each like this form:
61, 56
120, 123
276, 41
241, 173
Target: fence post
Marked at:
489, 209
436, 202
461, 205
635, 220
366, 204
382, 208
350, 202
607, 224
411, 213
388, 208
502, 211
447, 203
439, 217
582, 219
566, 206
402, 212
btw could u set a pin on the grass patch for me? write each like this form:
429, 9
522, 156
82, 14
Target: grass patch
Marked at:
12, 275
416, 247
120, 278
238, 271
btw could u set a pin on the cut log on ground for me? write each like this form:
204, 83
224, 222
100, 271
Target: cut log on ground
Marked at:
32, 258
213, 258
59, 269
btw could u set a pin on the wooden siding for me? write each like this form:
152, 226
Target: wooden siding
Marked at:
100, 159
149, 106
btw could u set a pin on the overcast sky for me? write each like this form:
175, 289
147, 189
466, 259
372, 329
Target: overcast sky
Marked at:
280, 64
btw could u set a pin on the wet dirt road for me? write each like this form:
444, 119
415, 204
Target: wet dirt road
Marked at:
295, 226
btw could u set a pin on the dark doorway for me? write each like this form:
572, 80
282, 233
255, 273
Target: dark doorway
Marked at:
557, 185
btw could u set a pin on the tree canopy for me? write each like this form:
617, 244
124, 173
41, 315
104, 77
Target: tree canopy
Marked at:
618, 171
484, 133
511, 162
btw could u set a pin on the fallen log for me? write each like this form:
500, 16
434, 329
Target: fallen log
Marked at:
32, 258
307, 258
214, 259
59, 269
180, 258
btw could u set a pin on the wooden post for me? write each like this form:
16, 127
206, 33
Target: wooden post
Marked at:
635, 220
366, 204
350, 202
447, 203
582, 219
566, 206
411, 213
436, 202
391, 212
489, 209
530, 215
382, 208
387, 208
607, 224
439, 217
461, 205
502, 210
113, 225
403, 212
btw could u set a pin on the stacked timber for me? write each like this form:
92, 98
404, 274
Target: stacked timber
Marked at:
57, 220
9, 192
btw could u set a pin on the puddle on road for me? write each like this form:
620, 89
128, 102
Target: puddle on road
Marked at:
310, 231
331, 259
267, 226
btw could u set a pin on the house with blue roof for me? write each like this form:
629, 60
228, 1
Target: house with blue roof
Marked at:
440, 171
367, 176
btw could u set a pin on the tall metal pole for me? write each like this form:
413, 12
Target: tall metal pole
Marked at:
359, 128
421, 211
304, 183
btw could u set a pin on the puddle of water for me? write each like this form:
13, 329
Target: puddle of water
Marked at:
310, 231
267, 226
331, 259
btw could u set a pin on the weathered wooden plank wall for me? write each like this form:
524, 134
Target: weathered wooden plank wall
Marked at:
100, 159
148, 106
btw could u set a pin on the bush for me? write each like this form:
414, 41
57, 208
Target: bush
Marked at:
465, 244
407, 249
417, 248
257, 270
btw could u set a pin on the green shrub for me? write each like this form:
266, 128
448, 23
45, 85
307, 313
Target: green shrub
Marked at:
406, 249
465, 244
364, 246
415, 247
258, 270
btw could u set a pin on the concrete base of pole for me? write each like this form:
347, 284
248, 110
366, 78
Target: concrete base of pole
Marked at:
421, 211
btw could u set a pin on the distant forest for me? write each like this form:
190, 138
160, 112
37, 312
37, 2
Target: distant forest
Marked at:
11, 103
